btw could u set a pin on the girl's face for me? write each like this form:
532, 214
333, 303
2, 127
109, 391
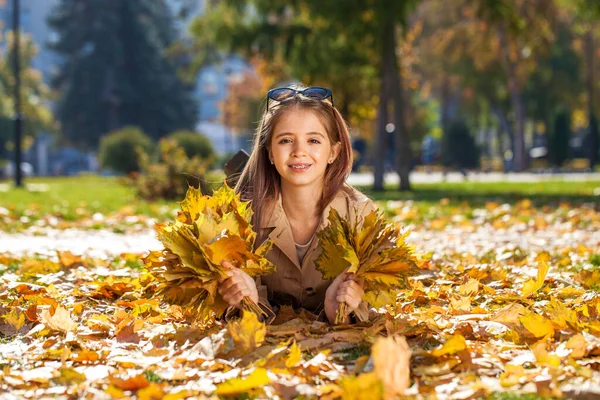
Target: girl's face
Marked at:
301, 149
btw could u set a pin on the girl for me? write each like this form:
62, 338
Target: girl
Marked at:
297, 171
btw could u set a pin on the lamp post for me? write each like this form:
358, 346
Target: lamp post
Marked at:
17, 93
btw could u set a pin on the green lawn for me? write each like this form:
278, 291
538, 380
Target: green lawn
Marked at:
72, 198
477, 193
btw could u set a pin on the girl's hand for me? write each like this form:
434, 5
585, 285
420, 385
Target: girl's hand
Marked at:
237, 286
346, 288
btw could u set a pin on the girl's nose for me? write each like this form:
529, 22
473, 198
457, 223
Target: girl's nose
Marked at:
299, 150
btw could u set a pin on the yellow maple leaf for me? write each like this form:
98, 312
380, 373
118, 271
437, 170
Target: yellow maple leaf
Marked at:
257, 379
471, 288
295, 356
532, 286
247, 333
208, 231
453, 345
560, 315
542, 356
373, 249
15, 318
539, 326
361, 387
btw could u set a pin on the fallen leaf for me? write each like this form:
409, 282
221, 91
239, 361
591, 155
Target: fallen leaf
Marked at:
538, 325
391, 360
257, 379
453, 345
134, 383
247, 333
61, 320
68, 376
295, 356
578, 346
532, 286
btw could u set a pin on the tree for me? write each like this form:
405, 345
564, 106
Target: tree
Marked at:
558, 142
35, 95
458, 146
482, 54
349, 47
587, 16
115, 72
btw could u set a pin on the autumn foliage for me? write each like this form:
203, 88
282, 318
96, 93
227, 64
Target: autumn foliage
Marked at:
374, 251
208, 231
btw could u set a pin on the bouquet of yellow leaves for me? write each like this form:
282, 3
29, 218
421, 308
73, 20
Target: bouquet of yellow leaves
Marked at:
208, 230
376, 252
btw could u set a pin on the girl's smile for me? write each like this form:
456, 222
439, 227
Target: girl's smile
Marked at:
301, 149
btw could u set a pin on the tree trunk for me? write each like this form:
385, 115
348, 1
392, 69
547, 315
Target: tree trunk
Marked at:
519, 156
382, 113
504, 125
445, 100
403, 153
589, 82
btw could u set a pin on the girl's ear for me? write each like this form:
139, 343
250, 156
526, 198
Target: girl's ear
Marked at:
335, 150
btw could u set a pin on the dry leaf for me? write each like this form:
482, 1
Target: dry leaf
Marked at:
391, 359
247, 333
372, 249
453, 345
208, 230
61, 320
539, 326
257, 379
532, 286
295, 356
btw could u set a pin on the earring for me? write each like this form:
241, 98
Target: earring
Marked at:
271, 162
330, 161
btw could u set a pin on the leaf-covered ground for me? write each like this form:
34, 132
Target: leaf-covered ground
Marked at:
508, 302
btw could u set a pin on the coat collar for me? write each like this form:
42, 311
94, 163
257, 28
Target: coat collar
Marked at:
282, 236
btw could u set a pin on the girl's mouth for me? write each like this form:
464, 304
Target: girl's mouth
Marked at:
300, 167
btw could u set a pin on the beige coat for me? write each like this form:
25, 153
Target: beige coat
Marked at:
302, 285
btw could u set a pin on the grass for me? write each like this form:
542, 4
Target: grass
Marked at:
477, 193
356, 352
72, 198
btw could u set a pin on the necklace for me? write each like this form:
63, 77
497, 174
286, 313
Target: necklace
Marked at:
306, 244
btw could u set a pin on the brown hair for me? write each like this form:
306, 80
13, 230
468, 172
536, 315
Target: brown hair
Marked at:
261, 183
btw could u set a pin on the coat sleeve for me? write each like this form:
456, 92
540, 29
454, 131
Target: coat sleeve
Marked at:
263, 303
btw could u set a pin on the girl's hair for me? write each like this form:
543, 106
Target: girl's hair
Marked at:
260, 182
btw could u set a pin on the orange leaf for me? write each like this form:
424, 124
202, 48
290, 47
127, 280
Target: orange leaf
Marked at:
134, 383
391, 359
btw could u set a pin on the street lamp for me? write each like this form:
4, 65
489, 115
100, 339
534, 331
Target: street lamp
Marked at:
17, 93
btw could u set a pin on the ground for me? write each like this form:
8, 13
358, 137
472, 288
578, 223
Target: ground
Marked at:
506, 303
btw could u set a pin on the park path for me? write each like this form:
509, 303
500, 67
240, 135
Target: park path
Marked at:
478, 240
365, 179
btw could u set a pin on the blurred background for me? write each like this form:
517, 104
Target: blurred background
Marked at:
154, 89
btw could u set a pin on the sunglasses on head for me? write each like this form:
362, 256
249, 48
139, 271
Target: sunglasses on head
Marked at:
314, 92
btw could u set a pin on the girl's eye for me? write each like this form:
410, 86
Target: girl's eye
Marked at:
314, 141
284, 141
